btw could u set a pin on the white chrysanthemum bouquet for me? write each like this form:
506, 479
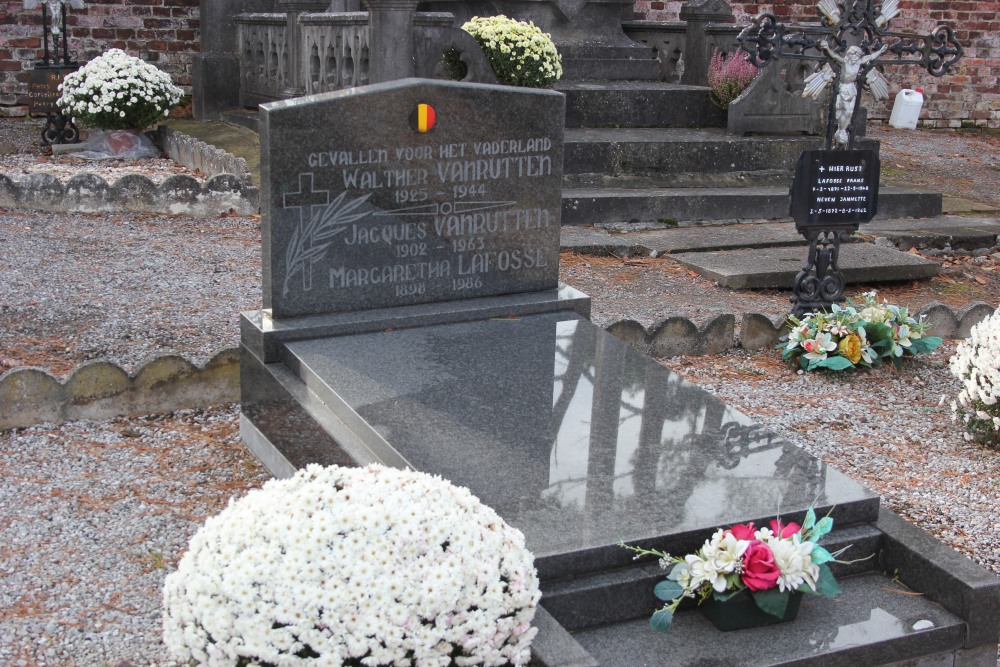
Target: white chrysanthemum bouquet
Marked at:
354, 566
520, 53
976, 363
116, 91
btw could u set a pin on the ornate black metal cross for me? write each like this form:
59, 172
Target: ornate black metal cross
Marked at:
50, 70
853, 44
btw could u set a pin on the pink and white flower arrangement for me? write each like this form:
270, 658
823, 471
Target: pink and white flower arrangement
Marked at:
856, 335
353, 566
770, 563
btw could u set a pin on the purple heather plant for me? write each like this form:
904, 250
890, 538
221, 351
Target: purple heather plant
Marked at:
728, 77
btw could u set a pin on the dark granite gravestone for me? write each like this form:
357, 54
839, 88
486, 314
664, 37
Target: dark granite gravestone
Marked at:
409, 193
485, 370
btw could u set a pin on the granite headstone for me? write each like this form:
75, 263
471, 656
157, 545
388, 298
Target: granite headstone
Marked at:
409, 192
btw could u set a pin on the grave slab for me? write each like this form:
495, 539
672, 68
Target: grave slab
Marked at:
571, 435
871, 623
776, 268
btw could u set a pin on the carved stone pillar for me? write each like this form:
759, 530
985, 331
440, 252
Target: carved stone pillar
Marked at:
296, 65
698, 14
392, 49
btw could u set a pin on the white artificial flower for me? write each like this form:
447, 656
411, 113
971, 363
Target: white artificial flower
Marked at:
794, 561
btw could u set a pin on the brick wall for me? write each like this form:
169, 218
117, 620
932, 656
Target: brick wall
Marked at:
970, 96
163, 32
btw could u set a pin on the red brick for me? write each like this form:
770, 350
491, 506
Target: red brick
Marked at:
25, 42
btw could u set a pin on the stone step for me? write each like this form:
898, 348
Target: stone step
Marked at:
627, 594
242, 118
604, 69
631, 51
667, 152
776, 268
595, 206
875, 621
638, 104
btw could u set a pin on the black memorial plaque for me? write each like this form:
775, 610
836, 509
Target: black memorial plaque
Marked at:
43, 89
835, 188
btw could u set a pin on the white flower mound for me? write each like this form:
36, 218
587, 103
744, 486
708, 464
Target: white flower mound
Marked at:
353, 566
118, 91
976, 363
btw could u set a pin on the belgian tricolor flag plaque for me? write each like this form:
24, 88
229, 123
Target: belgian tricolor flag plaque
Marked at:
423, 118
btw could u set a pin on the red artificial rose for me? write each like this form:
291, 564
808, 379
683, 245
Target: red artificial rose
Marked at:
784, 530
759, 570
743, 531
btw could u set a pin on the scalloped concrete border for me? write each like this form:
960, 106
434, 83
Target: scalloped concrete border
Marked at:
101, 389
88, 192
677, 336
196, 154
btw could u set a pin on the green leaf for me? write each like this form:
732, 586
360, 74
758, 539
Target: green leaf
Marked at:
924, 345
810, 520
820, 555
826, 585
722, 597
661, 620
668, 590
823, 526
771, 601
835, 363
932, 342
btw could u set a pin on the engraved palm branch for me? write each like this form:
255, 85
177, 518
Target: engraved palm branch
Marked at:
311, 240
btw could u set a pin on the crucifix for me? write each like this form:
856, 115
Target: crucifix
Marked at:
836, 188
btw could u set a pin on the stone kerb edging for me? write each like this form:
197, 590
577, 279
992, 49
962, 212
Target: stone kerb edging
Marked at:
88, 192
196, 154
102, 390
676, 336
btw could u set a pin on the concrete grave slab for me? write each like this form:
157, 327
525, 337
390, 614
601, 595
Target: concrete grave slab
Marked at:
776, 268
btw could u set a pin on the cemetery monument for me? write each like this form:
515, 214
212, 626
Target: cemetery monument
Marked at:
413, 316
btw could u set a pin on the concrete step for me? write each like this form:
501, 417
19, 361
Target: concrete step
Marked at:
638, 104
604, 69
776, 268
595, 206
242, 118
630, 51
666, 152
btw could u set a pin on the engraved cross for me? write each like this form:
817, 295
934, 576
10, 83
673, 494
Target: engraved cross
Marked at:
307, 197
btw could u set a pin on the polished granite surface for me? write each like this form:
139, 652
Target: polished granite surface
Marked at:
875, 621
571, 435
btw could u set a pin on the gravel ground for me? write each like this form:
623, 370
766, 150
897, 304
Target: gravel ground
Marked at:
94, 514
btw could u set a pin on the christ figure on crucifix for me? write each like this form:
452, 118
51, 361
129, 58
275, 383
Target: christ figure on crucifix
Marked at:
851, 65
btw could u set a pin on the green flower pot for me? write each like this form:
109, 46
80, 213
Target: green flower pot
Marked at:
740, 612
